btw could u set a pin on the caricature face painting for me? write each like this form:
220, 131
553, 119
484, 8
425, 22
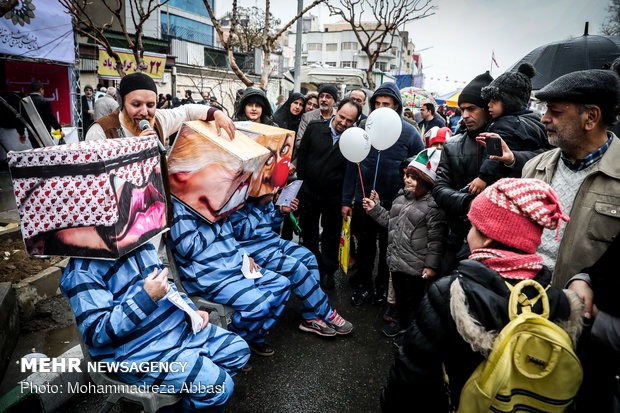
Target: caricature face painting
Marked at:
280, 144
275, 170
212, 174
103, 199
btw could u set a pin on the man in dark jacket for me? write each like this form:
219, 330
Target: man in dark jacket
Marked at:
388, 183
322, 166
460, 162
430, 118
88, 108
44, 107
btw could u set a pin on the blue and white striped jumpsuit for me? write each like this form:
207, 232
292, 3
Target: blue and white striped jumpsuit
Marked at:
120, 322
253, 227
209, 261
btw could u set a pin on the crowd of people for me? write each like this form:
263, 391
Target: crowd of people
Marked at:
454, 229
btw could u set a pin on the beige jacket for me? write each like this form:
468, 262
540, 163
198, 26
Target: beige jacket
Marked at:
595, 215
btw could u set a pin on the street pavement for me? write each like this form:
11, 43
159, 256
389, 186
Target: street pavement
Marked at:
308, 373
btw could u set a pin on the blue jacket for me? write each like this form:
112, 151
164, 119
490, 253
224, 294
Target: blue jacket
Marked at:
253, 225
389, 181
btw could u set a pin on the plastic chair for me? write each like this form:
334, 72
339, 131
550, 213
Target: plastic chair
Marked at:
219, 314
150, 401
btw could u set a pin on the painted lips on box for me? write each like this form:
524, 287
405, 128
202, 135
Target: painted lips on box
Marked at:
96, 199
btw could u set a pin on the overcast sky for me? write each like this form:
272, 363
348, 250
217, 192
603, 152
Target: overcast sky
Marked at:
461, 36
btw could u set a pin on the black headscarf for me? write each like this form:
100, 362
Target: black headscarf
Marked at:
283, 116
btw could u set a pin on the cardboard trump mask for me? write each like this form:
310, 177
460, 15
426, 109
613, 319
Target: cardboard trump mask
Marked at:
95, 199
279, 142
211, 174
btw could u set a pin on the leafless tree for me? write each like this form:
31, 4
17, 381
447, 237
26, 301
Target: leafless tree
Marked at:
7, 7
269, 38
250, 30
376, 35
612, 26
86, 17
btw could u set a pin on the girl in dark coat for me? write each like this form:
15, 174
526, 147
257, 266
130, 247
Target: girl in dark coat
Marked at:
261, 108
462, 314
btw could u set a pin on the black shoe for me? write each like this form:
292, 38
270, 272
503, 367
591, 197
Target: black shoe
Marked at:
247, 367
262, 349
390, 313
359, 295
327, 280
380, 295
398, 341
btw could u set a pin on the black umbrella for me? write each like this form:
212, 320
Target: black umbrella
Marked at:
581, 53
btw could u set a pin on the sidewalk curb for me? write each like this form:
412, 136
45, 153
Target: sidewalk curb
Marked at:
38, 287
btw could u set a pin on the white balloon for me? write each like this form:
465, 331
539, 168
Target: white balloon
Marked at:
354, 144
383, 127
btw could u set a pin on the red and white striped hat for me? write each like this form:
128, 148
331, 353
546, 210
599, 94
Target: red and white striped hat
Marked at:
515, 211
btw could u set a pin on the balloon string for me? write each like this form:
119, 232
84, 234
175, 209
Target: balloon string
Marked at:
361, 180
376, 170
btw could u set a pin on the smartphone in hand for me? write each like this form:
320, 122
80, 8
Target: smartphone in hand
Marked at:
494, 146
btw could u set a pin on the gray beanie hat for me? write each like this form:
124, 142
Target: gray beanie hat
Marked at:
329, 88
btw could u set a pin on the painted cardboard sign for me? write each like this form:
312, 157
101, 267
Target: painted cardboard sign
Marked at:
211, 174
280, 144
95, 199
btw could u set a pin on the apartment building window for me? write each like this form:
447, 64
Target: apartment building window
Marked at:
348, 46
331, 47
315, 46
331, 64
382, 66
349, 63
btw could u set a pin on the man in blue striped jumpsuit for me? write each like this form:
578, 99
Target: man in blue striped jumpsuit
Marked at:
209, 261
123, 314
253, 228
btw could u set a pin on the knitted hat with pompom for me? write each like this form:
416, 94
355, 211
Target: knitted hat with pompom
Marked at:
515, 212
513, 89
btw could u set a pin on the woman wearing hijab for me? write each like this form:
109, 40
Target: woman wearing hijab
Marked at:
289, 114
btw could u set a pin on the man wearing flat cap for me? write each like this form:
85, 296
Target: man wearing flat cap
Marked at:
328, 97
584, 169
139, 101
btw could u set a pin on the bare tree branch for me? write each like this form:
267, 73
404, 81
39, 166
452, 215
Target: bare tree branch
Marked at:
225, 43
83, 13
388, 16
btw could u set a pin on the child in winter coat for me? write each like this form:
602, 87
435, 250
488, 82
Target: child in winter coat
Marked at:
462, 314
519, 127
416, 229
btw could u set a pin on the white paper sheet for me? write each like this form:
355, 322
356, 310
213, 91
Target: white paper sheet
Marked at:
245, 268
176, 299
289, 193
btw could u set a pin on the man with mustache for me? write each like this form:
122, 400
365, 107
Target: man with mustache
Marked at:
138, 94
328, 97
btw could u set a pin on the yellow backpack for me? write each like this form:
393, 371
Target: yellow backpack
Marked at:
532, 366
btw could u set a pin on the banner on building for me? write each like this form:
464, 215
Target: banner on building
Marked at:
39, 29
55, 81
155, 64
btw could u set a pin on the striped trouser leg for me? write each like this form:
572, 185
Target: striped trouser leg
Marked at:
258, 303
212, 356
300, 252
304, 282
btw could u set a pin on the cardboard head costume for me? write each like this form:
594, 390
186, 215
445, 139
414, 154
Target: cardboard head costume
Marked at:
212, 174
280, 144
94, 199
